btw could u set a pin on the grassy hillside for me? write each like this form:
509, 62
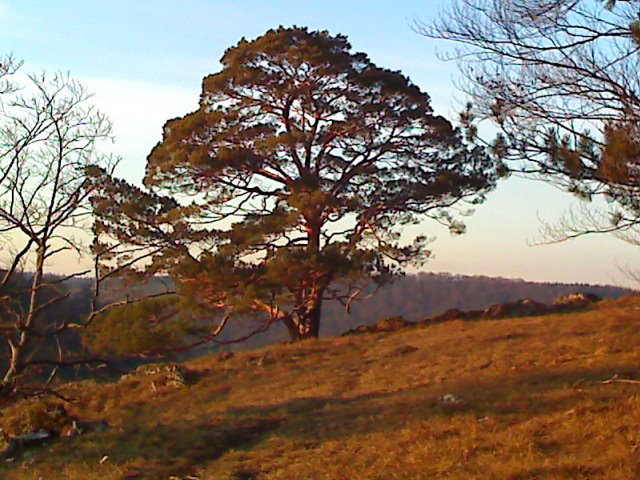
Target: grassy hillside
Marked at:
369, 407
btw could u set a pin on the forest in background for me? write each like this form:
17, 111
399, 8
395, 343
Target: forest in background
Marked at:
414, 297
419, 296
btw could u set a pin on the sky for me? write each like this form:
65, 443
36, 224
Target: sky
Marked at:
145, 60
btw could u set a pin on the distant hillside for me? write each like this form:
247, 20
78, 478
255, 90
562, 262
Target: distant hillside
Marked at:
547, 397
416, 297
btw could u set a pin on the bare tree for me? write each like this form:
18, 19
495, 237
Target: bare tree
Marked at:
49, 143
560, 81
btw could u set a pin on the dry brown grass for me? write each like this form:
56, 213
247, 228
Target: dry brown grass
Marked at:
366, 407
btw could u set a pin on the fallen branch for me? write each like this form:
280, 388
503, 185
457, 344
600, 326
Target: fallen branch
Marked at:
615, 379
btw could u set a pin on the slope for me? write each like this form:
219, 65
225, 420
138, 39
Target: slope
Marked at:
493, 399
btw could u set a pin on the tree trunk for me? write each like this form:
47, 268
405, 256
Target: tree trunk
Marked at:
314, 315
20, 348
306, 323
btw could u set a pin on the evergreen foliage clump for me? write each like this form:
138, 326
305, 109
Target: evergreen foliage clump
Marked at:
559, 80
292, 182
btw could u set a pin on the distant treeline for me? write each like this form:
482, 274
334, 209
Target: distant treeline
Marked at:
415, 297
75, 303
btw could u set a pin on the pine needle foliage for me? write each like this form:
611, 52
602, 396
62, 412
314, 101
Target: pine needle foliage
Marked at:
560, 82
293, 180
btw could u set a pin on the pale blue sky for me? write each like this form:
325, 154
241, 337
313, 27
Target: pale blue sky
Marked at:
145, 61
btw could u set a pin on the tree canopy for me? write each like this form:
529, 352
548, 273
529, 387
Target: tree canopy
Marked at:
560, 81
292, 181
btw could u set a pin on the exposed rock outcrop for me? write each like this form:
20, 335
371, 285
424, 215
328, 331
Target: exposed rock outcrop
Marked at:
521, 308
18, 444
389, 324
575, 301
43, 422
170, 374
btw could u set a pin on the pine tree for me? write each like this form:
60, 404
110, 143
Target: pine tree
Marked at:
560, 82
293, 180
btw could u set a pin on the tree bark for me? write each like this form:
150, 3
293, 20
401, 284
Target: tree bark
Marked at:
314, 314
306, 323
26, 324
307, 320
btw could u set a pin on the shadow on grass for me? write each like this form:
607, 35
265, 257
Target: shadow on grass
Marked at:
340, 417
568, 471
156, 452
160, 451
